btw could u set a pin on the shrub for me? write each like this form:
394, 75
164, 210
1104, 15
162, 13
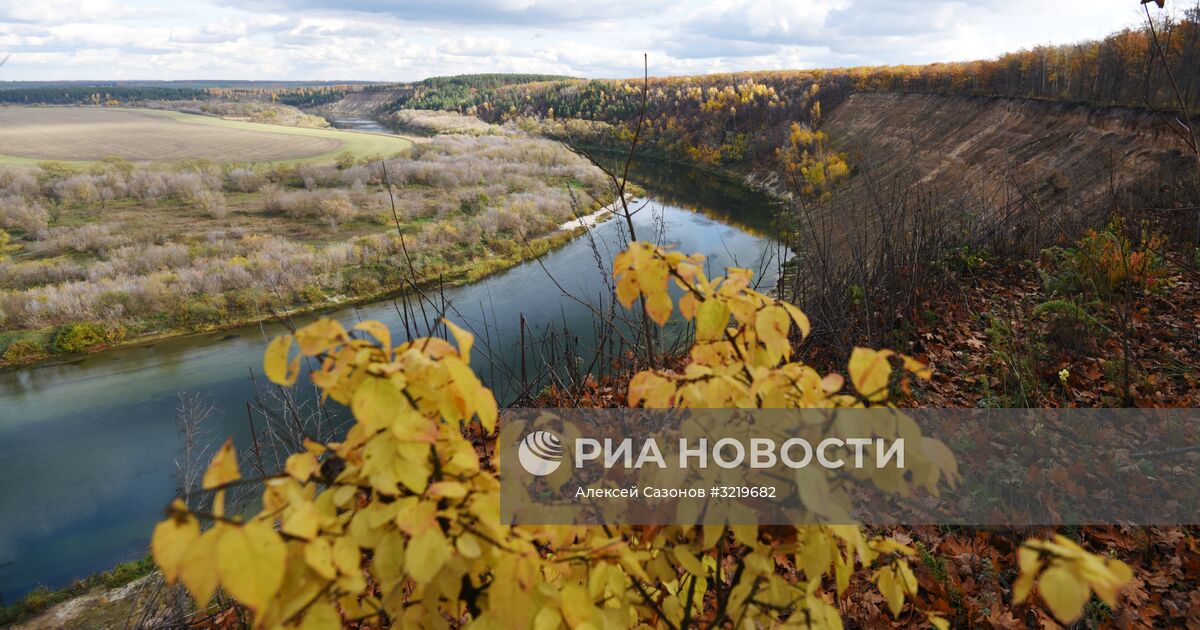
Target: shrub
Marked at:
197, 312
32, 273
148, 186
334, 209
18, 213
24, 351
83, 336
311, 294
1109, 259
243, 180
77, 189
18, 182
52, 170
210, 202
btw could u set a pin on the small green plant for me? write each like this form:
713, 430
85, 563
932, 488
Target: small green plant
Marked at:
1016, 362
5, 248
966, 258
1071, 326
84, 336
24, 351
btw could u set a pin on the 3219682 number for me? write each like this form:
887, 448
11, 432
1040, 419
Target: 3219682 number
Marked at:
742, 492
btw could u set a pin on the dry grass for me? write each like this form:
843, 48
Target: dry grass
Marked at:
153, 248
31, 134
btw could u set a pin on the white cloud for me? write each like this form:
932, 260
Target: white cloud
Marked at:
59, 10
212, 33
387, 41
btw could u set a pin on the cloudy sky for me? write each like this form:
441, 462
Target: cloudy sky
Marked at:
397, 40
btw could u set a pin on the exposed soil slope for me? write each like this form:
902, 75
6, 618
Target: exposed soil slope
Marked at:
999, 148
364, 103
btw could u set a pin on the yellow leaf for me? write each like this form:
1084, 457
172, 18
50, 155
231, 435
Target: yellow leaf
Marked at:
250, 560
346, 555
318, 555
658, 306
321, 615
745, 534
627, 290
657, 392
199, 569
468, 546
712, 535
426, 554
447, 490
547, 619
688, 305
275, 362
891, 589
577, 608
1030, 563
711, 319
799, 317
486, 409
688, 561
320, 336
377, 403
772, 324
302, 522
938, 621
870, 371
1064, 592
302, 466
906, 578
464, 340
387, 565
223, 468
920, 370
170, 542
1116, 575
377, 330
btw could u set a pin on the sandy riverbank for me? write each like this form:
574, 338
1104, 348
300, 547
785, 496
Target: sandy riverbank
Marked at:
590, 220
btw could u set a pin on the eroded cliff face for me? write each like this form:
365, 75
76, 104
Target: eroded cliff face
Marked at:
997, 150
364, 103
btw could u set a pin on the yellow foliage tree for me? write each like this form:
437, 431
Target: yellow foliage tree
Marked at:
399, 522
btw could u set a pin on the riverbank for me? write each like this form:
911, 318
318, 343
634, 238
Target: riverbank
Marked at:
589, 221
92, 602
465, 273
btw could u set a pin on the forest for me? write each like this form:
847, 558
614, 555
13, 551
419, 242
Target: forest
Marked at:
94, 95
745, 120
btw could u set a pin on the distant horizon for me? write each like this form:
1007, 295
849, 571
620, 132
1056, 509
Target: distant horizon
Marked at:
310, 41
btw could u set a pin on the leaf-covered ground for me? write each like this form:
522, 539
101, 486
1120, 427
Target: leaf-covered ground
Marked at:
993, 344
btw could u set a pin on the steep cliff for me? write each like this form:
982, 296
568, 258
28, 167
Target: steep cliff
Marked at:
367, 103
999, 150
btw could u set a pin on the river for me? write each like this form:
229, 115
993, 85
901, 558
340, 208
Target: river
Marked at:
89, 448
